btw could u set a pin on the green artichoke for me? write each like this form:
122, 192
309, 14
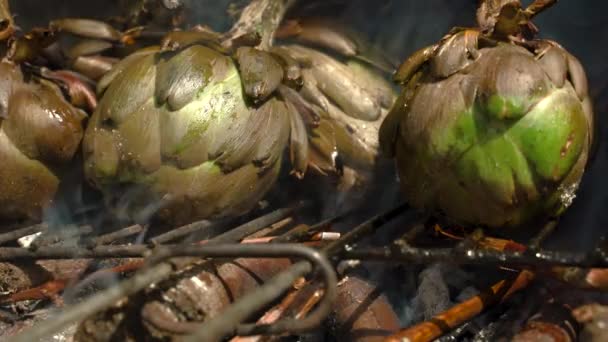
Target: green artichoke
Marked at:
40, 133
489, 131
176, 131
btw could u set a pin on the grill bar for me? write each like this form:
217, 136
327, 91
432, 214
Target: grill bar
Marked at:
140, 280
477, 257
118, 235
157, 267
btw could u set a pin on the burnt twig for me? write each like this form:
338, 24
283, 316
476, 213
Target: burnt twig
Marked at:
465, 311
477, 257
117, 235
19, 233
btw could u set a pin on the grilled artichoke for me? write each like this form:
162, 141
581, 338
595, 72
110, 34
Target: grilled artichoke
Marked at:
198, 126
40, 133
175, 130
489, 129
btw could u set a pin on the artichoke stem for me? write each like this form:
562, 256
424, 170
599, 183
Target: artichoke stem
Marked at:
539, 6
261, 17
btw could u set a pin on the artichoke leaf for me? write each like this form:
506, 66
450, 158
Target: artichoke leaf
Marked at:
305, 110
261, 73
553, 145
382, 91
293, 72
204, 129
298, 142
311, 92
351, 150
510, 95
102, 154
455, 53
413, 64
205, 191
339, 84
9, 76
243, 143
27, 185
269, 147
365, 132
42, 124
122, 67
180, 76
181, 39
140, 136
324, 149
554, 61
88, 47
93, 67
389, 129
323, 33
87, 28
137, 80
578, 77
336, 37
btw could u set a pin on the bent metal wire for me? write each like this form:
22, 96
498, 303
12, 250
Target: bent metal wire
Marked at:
158, 266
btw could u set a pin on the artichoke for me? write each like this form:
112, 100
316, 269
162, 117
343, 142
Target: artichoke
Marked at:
491, 129
175, 133
196, 129
40, 133
40, 130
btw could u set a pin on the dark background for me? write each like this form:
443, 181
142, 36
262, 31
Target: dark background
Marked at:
400, 27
